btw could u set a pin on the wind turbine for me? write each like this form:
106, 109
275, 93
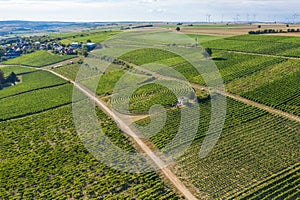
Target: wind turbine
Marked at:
208, 18
294, 17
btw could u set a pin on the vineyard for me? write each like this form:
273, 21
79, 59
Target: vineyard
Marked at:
272, 46
256, 156
38, 59
159, 92
30, 81
43, 157
35, 101
268, 75
283, 94
96, 37
253, 146
283, 185
17, 70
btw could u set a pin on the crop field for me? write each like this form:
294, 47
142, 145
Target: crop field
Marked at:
17, 70
283, 94
283, 185
268, 75
204, 38
256, 156
43, 157
230, 65
273, 46
159, 92
35, 101
71, 70
38, 59
149, 55
94, 37
31, 81
252, 146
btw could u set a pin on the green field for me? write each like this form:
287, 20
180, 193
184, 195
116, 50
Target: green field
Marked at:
17, 70
268, 75
94, 37
288, 46
283, 94
43, 157
253, 145
38, 59
282, 185
30, 81
35, 101
256, 156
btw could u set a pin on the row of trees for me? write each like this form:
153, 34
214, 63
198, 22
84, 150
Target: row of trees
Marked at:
11, 78
266, 31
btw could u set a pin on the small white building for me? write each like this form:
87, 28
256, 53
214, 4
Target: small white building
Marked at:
182, 101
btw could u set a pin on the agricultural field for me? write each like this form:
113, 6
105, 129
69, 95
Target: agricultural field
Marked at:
29, 81
283, 94
96, 37
252, 147
43, 157
17, 70
282, 185
282, 46
256, 156
71, 70
204, 38
268, 75
35, 101
38, 59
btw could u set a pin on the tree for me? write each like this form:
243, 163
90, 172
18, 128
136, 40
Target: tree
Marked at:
2, 51
89, 41
209, 51
259, 26
287, 25
192, 95
2, 79
178, 28
12, 78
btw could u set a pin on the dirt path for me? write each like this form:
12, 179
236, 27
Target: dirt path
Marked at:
232, 96
260, 54
262, 106
124, 127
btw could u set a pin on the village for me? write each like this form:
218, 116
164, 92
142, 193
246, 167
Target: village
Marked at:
15, 48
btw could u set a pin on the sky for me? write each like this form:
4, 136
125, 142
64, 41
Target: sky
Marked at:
150, 10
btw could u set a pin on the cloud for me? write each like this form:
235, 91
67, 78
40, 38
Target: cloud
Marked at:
161, 10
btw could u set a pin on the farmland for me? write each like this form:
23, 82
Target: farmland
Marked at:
282, 185
38, 59
251, 139
256, 156
271, 46
43, 157
96, 37
282, 94
35, 101
30, 81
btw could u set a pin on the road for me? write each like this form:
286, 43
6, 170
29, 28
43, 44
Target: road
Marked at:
125, 128
232, 96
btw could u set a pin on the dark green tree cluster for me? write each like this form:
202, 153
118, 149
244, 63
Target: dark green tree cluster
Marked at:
266, 31
11, 78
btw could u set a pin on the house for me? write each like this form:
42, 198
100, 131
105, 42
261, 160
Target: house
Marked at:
182, 101
75, 45
90, 46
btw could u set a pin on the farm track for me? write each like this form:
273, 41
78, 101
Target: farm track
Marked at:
259, 54
232, 96
124, 127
